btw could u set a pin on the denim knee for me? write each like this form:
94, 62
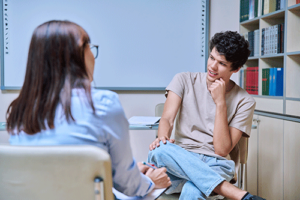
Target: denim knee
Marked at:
191, 192
158, 152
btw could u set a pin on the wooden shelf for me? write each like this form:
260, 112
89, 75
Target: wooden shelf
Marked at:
272, 56
294, 7
295, 53
274, 15
293, 30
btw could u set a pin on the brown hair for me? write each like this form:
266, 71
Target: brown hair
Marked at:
55, 65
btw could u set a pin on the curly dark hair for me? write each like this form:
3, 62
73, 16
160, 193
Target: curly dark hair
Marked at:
233, 46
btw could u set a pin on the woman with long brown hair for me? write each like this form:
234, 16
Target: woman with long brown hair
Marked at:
57, 106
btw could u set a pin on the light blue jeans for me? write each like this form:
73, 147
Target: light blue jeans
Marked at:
194, 175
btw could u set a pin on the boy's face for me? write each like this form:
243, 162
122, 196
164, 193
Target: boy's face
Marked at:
218, 67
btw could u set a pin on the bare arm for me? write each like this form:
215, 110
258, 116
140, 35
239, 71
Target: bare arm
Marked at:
224, 137
166, 122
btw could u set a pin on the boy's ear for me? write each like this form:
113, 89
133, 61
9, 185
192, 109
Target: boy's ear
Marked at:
235, 71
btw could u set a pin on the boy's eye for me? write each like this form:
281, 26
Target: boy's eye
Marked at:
223, 64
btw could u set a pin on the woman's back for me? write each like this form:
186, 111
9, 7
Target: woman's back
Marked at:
88, 127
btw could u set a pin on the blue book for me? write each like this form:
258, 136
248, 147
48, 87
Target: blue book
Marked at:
279, 81
242, 78
274, 81
271, 85
251, 9
270, 82
262, 41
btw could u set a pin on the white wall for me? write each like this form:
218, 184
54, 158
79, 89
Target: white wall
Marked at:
224, 15
6, 98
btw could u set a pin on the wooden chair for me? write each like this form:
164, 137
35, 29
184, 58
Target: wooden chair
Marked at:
240, 176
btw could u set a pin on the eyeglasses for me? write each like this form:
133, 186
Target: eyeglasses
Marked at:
94, 49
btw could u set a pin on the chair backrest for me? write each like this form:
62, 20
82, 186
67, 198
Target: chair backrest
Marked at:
243, 146
159, 108
53, 172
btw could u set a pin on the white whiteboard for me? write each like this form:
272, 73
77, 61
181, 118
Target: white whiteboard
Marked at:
142, 43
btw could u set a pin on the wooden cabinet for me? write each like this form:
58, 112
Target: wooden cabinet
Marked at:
270, 158
251, 171
291, 160
274, 159
265, 161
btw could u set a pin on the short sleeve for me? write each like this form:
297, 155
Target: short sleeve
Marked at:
177, 85
242, 120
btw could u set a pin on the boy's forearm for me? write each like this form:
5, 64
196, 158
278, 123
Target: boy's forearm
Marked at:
164, 128
221, 135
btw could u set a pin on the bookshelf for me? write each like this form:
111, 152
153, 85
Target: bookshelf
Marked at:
273, 170
288, 60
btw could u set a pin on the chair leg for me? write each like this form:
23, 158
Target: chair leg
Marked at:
242, 176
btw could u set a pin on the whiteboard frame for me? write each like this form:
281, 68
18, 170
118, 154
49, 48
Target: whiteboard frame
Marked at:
3, 87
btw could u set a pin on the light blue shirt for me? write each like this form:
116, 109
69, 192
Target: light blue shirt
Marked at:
107, 129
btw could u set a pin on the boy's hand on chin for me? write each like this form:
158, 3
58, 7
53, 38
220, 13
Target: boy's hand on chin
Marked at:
218, 91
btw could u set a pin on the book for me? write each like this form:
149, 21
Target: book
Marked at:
282, 38
154, 194
278, 39
251, 42
246, 10
267, 37
246, 36
279, 81
282, 4
256, 8
245, 79
272, 6
256, 42
144, 120
252, 80
278, 2
269, 6
251, 9
263, 41
275, 39
242, 78
266, 6
241, 10
265, 81
270, 81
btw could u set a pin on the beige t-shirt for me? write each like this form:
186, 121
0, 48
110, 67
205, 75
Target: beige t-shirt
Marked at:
196, 117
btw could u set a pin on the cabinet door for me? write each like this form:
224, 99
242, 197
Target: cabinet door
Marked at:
251, 172
270, 158
291, 160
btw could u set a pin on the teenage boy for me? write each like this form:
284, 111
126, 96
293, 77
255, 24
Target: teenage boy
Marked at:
214, 113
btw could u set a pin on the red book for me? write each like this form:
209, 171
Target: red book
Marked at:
252, 80
256, 80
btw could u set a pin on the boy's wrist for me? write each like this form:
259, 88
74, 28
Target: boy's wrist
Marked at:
221, 104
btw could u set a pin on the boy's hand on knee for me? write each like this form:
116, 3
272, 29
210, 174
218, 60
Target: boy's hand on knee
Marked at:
159, 177
155, 143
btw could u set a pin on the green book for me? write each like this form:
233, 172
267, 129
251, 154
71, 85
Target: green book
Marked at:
256, 8
246, 10
241, 10
265, 81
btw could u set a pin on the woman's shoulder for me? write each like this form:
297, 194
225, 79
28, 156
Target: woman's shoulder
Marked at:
104, 96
